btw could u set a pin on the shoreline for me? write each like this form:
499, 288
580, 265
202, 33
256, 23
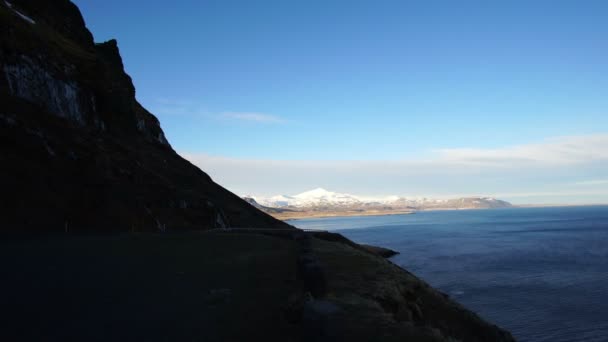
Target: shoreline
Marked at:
299, 215
308, 214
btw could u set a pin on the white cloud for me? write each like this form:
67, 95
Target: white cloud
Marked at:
533, 173
255, 117
592, 182
181, 107
176, 107
562, 150
550, 194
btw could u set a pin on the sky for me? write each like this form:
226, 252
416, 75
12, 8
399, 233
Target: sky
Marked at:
410, 98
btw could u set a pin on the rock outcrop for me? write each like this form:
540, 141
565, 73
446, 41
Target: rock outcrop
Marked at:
78, 152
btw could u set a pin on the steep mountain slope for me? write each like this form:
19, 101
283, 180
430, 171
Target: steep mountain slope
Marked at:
78, 152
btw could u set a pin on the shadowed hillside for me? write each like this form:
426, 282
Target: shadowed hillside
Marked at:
78, 152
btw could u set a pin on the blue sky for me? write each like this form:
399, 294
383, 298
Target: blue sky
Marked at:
376, 97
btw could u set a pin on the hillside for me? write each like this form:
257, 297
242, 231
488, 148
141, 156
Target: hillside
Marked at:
78, 152
221, 286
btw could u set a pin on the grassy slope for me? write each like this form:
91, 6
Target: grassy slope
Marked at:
382, 302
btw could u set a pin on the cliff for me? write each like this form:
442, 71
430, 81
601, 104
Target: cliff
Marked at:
78, 152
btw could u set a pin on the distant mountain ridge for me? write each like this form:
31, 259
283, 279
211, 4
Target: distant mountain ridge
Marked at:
265, 208
321, 199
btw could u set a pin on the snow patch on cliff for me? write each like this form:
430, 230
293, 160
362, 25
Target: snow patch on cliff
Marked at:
21, 15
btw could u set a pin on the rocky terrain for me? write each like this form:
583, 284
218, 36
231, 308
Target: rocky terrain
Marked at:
78, 152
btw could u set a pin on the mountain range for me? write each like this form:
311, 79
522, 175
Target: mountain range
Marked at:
323, 200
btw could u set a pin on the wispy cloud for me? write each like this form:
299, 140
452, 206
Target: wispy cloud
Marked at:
176, 107
592, 182
561, 150
181, 107
253, 117
173, 102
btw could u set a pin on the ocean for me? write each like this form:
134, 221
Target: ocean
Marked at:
541, 273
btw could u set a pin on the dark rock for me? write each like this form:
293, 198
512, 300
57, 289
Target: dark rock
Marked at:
218, 296
61, 16
334, 237
381, 251
313, 277
403, 314
415, 309
320, 308
317, 320
294, 308
307, 258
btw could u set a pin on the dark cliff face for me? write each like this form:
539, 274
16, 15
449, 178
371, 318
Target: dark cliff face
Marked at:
78, 152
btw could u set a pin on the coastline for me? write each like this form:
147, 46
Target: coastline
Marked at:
298, 215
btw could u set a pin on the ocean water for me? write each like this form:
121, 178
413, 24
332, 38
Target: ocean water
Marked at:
541, 273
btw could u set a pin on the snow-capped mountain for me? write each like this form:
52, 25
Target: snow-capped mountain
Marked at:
321, 199
314, 197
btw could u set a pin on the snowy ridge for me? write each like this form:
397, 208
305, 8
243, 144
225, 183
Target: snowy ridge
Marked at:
314, 197
321, 198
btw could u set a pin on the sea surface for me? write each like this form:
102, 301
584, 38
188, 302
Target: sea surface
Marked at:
541, 273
